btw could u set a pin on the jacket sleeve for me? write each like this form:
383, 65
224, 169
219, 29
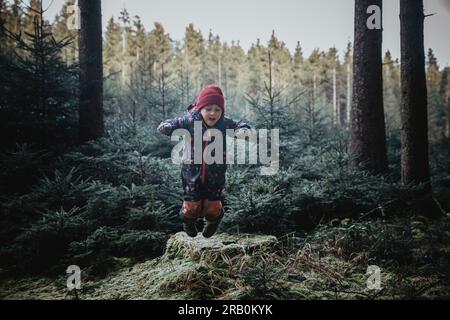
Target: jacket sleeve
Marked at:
168, 126
240, 127
237, 125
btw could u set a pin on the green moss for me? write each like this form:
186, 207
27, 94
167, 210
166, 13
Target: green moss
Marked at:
330, 264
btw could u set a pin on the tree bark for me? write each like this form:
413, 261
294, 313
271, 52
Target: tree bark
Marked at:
414, 133
349, 94
91, 71
335, 104
367, 145
445, 94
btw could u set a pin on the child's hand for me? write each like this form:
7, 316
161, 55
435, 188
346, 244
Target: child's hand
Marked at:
243, 133
165, 128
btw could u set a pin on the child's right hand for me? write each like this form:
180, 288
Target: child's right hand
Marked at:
165, 128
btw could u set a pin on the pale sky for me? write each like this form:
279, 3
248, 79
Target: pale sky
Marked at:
315, 23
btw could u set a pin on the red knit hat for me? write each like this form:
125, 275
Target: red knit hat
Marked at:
211, 94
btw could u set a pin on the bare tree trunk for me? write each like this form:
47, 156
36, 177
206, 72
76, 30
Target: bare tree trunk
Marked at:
91, 71
445, 94
335, 106
367, 146
349, 94
312, 111
448, 135
342, 111
163, 91
414, 134
219, 67
447, 103
269, 90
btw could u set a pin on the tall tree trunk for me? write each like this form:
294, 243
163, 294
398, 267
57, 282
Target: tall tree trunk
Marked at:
91, 70
219, 70
445, 94
367, 145
447, 103
414, 133
349, 94
335, 105
342, 111
448, 136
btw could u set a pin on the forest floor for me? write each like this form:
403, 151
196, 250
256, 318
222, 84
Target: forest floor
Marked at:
399, 258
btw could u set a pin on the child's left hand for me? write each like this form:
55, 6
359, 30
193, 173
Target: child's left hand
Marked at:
243, 133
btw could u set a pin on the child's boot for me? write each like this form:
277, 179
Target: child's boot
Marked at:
213, 212
189, 213
190, 228
210, 228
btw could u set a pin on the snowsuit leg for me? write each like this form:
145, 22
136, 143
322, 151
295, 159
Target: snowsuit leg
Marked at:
191, 210
212, 210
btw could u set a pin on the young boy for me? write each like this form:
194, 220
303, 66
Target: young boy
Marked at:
203, 183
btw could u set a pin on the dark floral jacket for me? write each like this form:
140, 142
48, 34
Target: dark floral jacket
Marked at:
202, 180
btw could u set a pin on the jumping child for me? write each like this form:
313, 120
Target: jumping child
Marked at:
203, 183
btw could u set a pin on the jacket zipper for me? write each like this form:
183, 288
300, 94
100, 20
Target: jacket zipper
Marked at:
204, 167
203, 178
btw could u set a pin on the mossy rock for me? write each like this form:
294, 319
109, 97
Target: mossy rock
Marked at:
191, 268
181, 246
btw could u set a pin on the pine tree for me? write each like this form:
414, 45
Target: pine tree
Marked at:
445, 95
367, 145
112, 55
348, 61
314, 104
141, 69
391, 93
298, 55
161, 44
233, 76
139, 36
164, 97
235, 71
271, 106
91, 71
414, 134
194, 48
152, 88
4, 14
128, 48
212, 61
436, 109
331, 67
32, 16
38, 90
255, 68
282, 62
61, 32
183, 83
16, 17
297, 84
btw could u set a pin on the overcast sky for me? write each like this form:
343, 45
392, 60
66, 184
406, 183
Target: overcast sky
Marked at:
315, 23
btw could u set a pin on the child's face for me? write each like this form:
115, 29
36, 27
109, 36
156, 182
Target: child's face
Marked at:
211, 114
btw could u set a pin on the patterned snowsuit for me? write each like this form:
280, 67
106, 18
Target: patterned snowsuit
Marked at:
203, 183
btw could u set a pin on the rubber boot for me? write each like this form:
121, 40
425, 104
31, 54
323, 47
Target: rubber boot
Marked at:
190, 228
210, 228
